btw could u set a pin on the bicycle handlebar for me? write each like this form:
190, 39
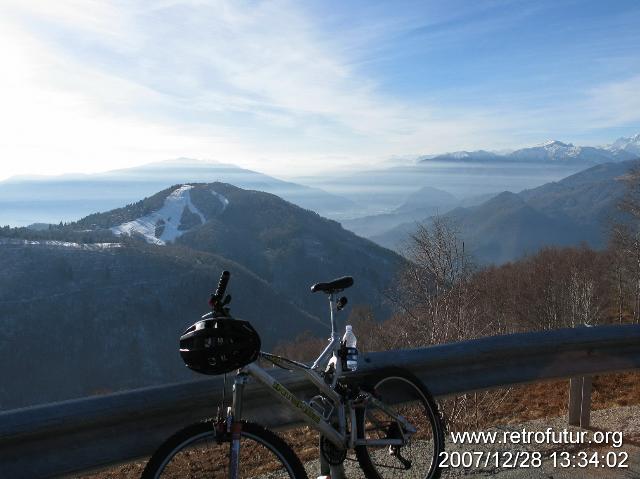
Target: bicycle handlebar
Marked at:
222, 285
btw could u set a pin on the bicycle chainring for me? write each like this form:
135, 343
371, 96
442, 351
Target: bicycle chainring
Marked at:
332, 454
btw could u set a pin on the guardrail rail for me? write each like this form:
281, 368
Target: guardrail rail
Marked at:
86, 434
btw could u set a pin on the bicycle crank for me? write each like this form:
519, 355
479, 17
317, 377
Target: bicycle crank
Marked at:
332, 454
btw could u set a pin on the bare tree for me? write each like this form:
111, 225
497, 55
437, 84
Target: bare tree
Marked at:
625, 243
582, 301
439, 303
432, 290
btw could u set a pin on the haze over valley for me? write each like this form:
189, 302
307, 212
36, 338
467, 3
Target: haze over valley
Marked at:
468, 176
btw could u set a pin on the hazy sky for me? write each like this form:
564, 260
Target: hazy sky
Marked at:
291, 88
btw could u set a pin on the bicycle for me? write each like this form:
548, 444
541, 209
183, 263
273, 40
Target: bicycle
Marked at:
389, 419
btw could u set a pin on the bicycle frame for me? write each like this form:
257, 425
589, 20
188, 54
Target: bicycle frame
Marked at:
338, 436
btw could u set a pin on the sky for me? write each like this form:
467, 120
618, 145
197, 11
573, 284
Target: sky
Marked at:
301, 88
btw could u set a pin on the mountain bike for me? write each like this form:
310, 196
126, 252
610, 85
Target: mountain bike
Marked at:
389, 418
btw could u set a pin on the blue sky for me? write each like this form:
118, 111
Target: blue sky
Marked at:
294, 88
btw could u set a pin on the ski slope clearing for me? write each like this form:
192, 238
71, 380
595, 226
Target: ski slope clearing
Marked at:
165, 225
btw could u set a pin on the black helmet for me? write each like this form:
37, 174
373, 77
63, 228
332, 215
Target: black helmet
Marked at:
219, 345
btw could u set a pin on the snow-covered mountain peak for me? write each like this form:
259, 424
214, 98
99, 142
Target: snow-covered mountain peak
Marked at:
630, 144
551, 150
624, 140
177, 216
556, 144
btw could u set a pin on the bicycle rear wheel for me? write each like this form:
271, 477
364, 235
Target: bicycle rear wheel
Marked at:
195, 453
404, 394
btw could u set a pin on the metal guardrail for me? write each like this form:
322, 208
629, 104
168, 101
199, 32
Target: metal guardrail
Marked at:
85, 434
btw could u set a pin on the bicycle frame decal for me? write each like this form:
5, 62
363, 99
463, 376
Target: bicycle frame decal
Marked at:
309, 414
301, 405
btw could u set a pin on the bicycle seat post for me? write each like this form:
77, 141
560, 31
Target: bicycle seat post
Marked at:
334, 330
334, 341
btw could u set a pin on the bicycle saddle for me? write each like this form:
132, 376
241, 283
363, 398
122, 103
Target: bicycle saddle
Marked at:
333, 286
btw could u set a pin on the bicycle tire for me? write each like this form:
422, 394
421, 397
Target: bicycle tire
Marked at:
379, 463
194, 453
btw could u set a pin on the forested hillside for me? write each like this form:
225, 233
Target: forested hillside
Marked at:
105, 319
103, 300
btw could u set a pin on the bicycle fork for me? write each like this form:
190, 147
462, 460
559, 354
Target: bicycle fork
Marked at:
236, 425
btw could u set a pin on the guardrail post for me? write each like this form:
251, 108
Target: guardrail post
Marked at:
575, 399
585, 410
580, 400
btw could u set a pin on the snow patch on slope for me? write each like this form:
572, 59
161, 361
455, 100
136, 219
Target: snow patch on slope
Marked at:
166, 220
223, 200
60, 244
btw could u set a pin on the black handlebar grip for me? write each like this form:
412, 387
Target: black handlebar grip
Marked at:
222, 285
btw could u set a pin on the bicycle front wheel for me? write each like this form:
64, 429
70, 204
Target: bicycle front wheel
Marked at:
195, 453
406, 396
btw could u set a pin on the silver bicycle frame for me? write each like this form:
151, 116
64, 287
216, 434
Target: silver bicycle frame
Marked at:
311, 416
334, 342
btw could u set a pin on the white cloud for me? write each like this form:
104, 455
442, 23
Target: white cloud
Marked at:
615, 103
95, 87
89, 86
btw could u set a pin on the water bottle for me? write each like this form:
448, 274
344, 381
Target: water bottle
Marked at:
349, 340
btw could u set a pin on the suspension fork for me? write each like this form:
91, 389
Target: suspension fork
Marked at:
236, 424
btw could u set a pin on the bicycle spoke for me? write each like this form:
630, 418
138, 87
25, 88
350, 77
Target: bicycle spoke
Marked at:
405, 416
201, 456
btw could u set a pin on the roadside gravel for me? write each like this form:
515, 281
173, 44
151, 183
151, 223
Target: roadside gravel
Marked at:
621, 419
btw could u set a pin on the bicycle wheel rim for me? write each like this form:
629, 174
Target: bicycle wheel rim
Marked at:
201, 456
409, 399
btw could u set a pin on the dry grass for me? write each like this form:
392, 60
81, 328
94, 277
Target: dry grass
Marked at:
551, 398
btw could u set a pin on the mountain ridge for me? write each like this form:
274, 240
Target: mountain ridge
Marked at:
624, 148
71, 197
260, 230
576, 209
